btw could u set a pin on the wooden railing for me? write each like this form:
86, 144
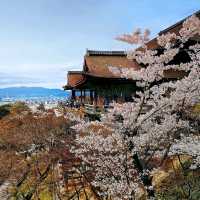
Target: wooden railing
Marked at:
95, 110
92, 110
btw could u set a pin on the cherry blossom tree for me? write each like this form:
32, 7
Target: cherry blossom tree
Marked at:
132, 140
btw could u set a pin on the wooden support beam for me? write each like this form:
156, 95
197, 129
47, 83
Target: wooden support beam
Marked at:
95, 98
91, 97
81, 96
73, 95
84, 95
106, 100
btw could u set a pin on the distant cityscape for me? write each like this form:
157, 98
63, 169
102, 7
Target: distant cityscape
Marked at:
33, 96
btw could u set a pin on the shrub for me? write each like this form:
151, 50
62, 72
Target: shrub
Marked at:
4, 110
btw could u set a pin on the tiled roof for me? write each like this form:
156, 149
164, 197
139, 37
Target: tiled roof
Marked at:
98, 64
175, 28
74, 79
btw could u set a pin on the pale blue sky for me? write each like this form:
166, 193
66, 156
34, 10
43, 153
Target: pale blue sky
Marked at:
40, 40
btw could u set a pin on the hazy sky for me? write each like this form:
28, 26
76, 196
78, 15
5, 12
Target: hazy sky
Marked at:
40, 40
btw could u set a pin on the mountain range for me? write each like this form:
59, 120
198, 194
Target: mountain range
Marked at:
28, 92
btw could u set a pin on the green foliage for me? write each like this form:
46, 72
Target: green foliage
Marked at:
4, 110
31, 189
19, 107
185, 186
45, 195
197, 109
15, 108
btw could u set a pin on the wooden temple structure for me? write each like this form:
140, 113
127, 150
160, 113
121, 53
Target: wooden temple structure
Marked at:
97, 85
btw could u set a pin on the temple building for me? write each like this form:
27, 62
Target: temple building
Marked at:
96, 84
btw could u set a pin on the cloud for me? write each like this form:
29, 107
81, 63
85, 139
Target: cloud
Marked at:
44, 75
7, 80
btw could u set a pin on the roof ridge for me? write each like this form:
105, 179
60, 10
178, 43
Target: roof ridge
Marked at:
177, 23
75, 72
105, 52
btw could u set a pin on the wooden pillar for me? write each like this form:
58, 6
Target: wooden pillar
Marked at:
81, 96
91, 97
95, 98
73, 95
106, 100
84, 96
